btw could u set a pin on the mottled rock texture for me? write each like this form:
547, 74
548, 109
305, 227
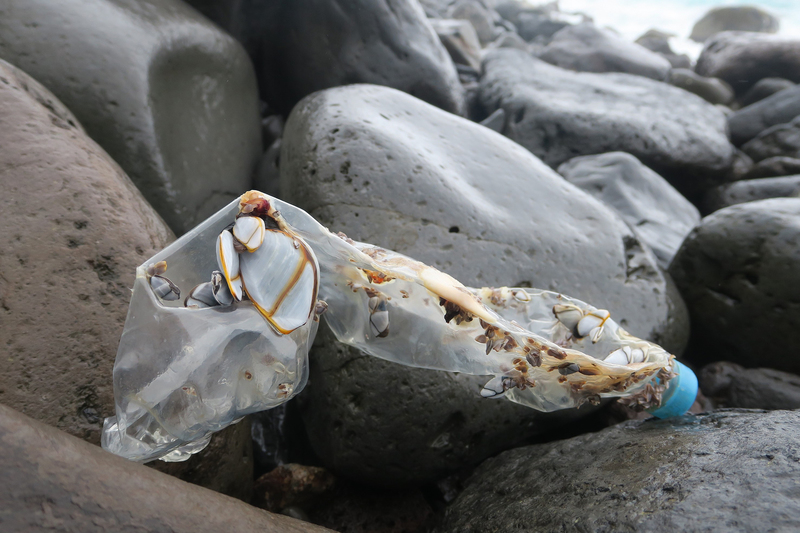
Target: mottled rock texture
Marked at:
743, 191
750, 121
731, 385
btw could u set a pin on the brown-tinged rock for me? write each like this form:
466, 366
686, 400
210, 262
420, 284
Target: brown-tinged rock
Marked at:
291, 485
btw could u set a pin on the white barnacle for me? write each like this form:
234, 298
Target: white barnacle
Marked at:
568, 314
592, 324
521, 295
219, 287
378, 316
164, 288
249, 231
201, 296
494, 388
228, 261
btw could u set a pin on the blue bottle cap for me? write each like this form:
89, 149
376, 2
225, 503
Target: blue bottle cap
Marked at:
680, 393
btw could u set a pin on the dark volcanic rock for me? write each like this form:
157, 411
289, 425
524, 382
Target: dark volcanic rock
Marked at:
781, 140
780, 108
317, 44
774, 166
711, 90
744, 58
558, 114
732, 385
587, 48
743, 191
167, 94
659, 214
736, 18
764, 88
386, 168
51, 481
739, 272
74, 230
730, 470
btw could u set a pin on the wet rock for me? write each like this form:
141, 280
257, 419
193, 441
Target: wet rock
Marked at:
478, 15
292, 485
659, 214
50, 480
781, 140
75, 229
460, 40
317, 44
167, 94
558, 114
744, 58
389, 169
736, 18
653, 475
658, 42
764, 88
711, 90
743, 191
587, 48
731, 385
739, 272
774, 166
780, 108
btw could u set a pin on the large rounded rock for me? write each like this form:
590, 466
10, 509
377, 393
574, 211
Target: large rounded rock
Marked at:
712, 90
74, 229
779, 108
51, 481
318, 44
386, 168
731, 470
558, 114
781, 140
739, 272
744, 58
658, 42
735, 18
764, 88
167, 94
732, 385
774, 166
659, 214
751, 190
587, 48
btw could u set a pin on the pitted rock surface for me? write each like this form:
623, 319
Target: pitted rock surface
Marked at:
729, 470
167, 94
739, 272
74, 230
386, 168
559, 114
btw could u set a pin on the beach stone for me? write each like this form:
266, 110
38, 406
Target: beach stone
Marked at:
460, 41
558, 114
744, 58
74, 230
659, 214
166, 93
764, 88
587, 48
510, 40
774, 166
50, 480
739, 272
658, 42
743, 191
732, 385
780, 108
386, 168
712, 90
733, 18
781, 140
537, 23
478, 15
729, 470
318, 44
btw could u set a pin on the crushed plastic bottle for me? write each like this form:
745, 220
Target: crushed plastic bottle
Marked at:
261, 271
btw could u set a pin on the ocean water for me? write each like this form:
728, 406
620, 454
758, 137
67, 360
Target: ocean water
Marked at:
631, 18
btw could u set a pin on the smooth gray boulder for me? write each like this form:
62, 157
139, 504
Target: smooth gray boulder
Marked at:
587, 48
781, 140
165, 92
712, 90
52, 481
318, 44
659, 214
558, 114
780, 108
386, 168
479, 16
732, 385
764, 88
744, 58
774, 166
733, 18
751, 190
658, 42
739, 272
726, 471
460, 41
